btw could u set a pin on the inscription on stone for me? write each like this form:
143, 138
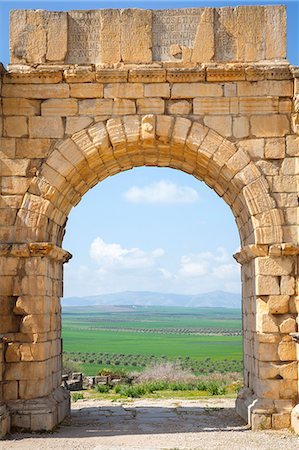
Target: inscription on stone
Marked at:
83, 36
170, 27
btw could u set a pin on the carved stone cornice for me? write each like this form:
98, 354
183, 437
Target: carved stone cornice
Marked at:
35, 249
252, 251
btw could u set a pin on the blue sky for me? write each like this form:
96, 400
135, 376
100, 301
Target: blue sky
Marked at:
150, 228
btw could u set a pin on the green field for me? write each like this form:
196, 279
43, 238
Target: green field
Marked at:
203, 339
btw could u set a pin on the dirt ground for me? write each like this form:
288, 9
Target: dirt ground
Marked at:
153, 424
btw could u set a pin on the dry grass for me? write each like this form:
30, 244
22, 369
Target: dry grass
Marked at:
165, 372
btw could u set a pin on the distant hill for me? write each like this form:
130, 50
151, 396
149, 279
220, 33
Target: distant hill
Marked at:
209, 299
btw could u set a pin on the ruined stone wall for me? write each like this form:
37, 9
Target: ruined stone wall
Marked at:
66, 127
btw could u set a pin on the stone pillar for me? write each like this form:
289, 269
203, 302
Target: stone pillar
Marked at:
32, 375
4, 414
270, 310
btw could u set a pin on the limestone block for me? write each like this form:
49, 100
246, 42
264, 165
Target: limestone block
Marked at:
136, 36
74, 124
99, 136
275, 148
12, 353
275, 32
267, 388
211, 106
95, 107
20, 107
267, 370
59, 107
288, 389
116, 132
42, 91
292, 145
86, 90
290, 166
32, 305
281, 420
10, 390
295, 419
12, 185
27, 370
266, 324
164, 128
31, 389
122, 106
180, 130
28, 37
204, 45
240, 127
270, 126
254, 148
289, 371
258, 105
287, 285
191, 90
150, 106
15, 126
7, 147
274, 266
250, 34
283, 88
181, 107
35, 323
123, 90
110, 36
267, 285
221, 124
285, 105
278, 304
46, 127
157, 90
288, 326
57, 36
260, 422
14, 167
148, 128
132, 128
287, 351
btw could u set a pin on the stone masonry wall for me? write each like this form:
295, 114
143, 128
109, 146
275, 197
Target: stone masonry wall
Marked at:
65, 127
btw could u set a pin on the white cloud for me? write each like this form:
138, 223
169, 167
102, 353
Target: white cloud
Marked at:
218, 267
114, 256
161, 192
116, 268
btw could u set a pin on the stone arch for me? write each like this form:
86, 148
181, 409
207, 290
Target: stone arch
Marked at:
79, 162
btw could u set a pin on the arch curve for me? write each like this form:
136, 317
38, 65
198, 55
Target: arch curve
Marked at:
80, 161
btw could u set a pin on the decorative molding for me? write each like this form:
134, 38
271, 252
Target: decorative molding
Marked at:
35, 249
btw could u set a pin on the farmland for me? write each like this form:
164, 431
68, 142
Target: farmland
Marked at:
133, 337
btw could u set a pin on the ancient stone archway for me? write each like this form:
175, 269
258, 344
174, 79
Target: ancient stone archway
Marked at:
77, 113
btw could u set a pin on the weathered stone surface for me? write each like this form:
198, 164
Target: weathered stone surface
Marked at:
57, 36
204, 44
95, 106
136, 36
46, 127
59, 107
86, 90
268, 126
20, 107
15, 126
28, 39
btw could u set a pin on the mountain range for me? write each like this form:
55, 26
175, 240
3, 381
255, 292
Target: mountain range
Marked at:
144, 298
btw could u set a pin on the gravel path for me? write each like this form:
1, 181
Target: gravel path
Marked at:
153, 424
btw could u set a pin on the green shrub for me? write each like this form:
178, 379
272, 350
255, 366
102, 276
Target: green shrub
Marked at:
215, 388
77, 396
102, 388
